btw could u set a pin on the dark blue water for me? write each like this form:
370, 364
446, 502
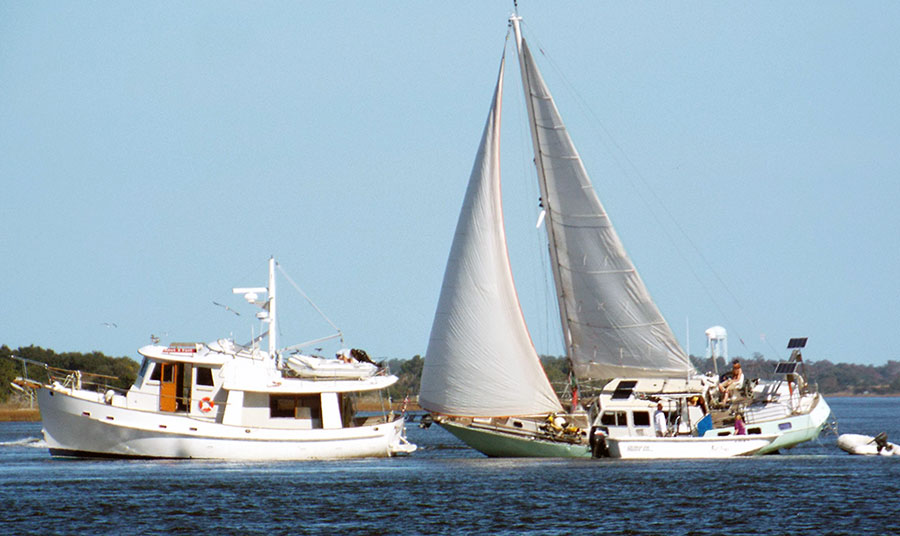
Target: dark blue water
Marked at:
445, 488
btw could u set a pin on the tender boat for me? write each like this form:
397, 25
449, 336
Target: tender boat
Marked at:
307, 366
221, 400
867, 445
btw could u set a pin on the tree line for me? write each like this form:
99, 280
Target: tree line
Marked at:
122, 371
831, 378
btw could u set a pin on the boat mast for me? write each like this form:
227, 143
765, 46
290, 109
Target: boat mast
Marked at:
267, 315
542, 182
270, 306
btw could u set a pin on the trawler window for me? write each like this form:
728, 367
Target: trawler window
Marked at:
641, 418
297, 407
169, 374
155, 374
613, 418
145, 365
204, 376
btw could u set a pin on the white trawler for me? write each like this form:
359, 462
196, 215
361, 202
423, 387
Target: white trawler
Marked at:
759, 416
221, 400
482, 378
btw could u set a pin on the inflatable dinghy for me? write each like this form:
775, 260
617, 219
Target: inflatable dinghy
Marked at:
315, 367
868, 445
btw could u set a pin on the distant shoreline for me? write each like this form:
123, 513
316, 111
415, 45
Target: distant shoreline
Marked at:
11, 414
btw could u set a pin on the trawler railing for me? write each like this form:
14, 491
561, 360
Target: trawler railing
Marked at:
72, 379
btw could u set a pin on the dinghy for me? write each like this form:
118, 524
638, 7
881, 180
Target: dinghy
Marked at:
868, 445
307, 366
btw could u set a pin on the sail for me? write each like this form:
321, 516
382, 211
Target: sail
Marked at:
480, 359
612, 327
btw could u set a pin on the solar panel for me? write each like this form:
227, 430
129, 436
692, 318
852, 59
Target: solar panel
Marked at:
786, 368
624, 390
799, 342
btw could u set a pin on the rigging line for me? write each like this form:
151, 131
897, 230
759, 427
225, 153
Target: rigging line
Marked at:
636, 171
316, 307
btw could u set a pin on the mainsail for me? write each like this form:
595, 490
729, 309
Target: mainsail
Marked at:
611, 325
480, 359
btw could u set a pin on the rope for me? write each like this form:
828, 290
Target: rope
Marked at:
316, 307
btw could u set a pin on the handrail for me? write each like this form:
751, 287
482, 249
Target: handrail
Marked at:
94, 374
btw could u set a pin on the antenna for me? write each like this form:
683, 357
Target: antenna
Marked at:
267, 315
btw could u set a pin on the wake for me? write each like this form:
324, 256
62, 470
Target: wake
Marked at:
35, 442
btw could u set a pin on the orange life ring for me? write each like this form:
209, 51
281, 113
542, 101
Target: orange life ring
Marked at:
206, 404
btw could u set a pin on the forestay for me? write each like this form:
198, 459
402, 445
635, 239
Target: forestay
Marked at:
611, 326
480, 359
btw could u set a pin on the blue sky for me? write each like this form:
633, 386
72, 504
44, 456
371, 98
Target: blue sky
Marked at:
154, 155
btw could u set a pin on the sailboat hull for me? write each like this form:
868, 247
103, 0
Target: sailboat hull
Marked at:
798, 428
498, 444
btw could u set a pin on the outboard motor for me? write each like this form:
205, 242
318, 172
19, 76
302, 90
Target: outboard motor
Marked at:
881, 442
597, 441
426, 421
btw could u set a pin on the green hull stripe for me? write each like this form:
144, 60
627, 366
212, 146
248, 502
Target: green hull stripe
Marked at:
499, 445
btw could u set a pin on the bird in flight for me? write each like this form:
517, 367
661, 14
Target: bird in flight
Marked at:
222, 305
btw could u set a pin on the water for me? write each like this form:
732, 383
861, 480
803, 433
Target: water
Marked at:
445, 488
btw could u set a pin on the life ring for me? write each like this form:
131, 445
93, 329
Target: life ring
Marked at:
206, 404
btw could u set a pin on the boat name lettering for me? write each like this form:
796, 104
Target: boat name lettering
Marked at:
180, 351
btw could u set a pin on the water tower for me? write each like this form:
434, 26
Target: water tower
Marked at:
717, 345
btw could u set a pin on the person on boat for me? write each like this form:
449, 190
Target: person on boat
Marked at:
659, 421
732, 384
739, 428
700, 402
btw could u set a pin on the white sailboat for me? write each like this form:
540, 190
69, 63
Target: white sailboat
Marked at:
482, 379
221, 400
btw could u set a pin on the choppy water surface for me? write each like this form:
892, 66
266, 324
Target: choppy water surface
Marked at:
445, 488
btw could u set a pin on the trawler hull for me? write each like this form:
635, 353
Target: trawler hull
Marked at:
75, 425
499, 444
